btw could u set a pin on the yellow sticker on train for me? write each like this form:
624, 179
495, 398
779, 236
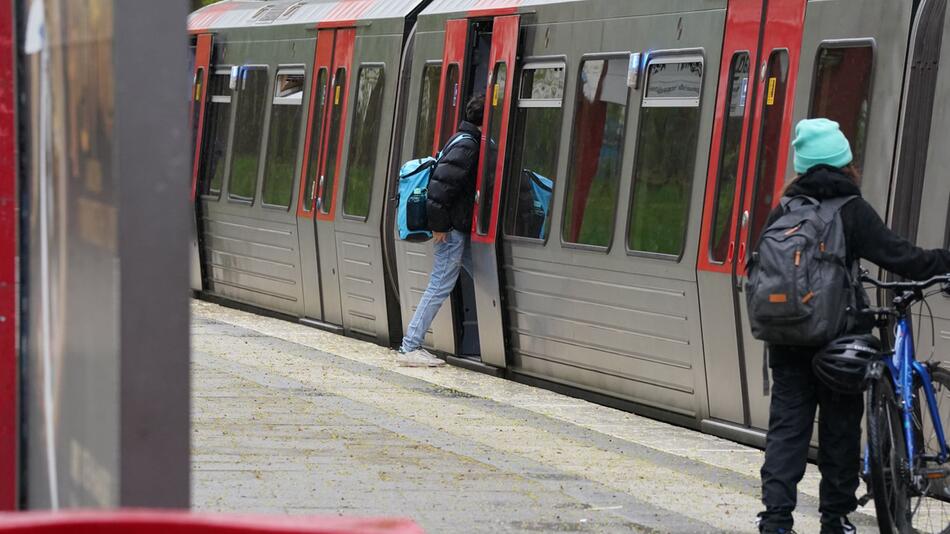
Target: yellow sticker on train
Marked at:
336, 96
494, 98
771, 98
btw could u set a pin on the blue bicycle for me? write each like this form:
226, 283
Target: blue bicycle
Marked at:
908, 406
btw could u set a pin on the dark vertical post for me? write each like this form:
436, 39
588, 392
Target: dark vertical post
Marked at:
152, 162
8, 260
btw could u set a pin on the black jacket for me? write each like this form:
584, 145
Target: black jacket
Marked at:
866, 236
452, 185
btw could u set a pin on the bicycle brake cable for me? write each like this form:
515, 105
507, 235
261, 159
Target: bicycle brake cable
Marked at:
933, 328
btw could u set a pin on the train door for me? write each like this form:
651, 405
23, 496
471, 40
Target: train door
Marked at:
760, 163
315, 210
728, 400
309, 249
920, 206
361, 167
199, 94
485, 250
416, 258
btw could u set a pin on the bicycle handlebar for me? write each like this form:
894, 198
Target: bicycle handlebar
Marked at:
907, 286
909, 292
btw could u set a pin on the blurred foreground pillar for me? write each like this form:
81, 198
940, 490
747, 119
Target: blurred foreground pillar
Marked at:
104, 179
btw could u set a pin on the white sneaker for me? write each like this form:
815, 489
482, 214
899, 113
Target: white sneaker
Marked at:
418, 358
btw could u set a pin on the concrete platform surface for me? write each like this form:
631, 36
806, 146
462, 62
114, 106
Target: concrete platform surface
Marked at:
290, 419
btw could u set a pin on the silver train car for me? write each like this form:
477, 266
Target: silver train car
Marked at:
633, 150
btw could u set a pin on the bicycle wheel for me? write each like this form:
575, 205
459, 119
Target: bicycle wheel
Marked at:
931, 504
887, 456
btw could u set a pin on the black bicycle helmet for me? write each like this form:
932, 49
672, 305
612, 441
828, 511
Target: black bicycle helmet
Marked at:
843, 364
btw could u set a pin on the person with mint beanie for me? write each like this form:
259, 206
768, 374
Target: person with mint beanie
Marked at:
825, 169
820, 142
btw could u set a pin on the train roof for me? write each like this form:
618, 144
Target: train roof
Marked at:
475, 6
267, 13
270, 13
582, 8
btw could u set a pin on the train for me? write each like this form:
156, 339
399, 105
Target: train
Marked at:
631, 152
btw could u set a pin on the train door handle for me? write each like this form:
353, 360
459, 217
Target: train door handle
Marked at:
320, 186
741, 252
478, 196
745, 218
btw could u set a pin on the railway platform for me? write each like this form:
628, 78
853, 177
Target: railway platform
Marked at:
290, 419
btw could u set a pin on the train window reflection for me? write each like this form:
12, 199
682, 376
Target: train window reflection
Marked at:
680, 82
316, 134
428, 108
496, 108
842, 91
284, 138
450, 104
666, 157
364, 142
767, 168
249, 119
337, 98
535, 150
736, 100
597, 144
216, 131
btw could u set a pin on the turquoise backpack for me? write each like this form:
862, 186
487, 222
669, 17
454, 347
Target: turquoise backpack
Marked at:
411, 217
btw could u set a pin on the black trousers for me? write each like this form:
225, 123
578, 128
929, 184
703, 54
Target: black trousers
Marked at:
796, 394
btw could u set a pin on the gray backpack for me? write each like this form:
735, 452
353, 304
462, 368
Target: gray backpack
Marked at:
800, 291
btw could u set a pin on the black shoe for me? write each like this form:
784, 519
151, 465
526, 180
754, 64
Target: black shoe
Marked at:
768, 529
838, 525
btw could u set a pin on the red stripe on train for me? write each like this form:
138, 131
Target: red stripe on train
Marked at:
8, 255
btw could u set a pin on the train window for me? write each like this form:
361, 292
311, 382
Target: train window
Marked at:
217, 128
428, 108
196, 106
284, 139
536, 147
496, 108
337, 102
249, 122
316, 134
364, 142
728, 172
842, 90
597, 142
666, 156
767, 167
450, 104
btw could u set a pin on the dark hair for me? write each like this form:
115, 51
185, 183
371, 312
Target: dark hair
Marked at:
475, 110
850, 170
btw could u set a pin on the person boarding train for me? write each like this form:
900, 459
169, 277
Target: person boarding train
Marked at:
451, 199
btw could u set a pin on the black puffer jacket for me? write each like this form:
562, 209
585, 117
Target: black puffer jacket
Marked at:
452, 185
866, 237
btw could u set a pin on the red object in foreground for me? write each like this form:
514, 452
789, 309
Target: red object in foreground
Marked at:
153, 522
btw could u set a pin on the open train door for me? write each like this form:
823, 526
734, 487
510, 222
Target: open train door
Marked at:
199, 95
491, 171
415, 260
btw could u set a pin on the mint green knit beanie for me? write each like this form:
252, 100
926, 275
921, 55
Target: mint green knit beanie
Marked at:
820, 142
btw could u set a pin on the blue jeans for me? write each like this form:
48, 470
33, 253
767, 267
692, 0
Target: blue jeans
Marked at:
450, 257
